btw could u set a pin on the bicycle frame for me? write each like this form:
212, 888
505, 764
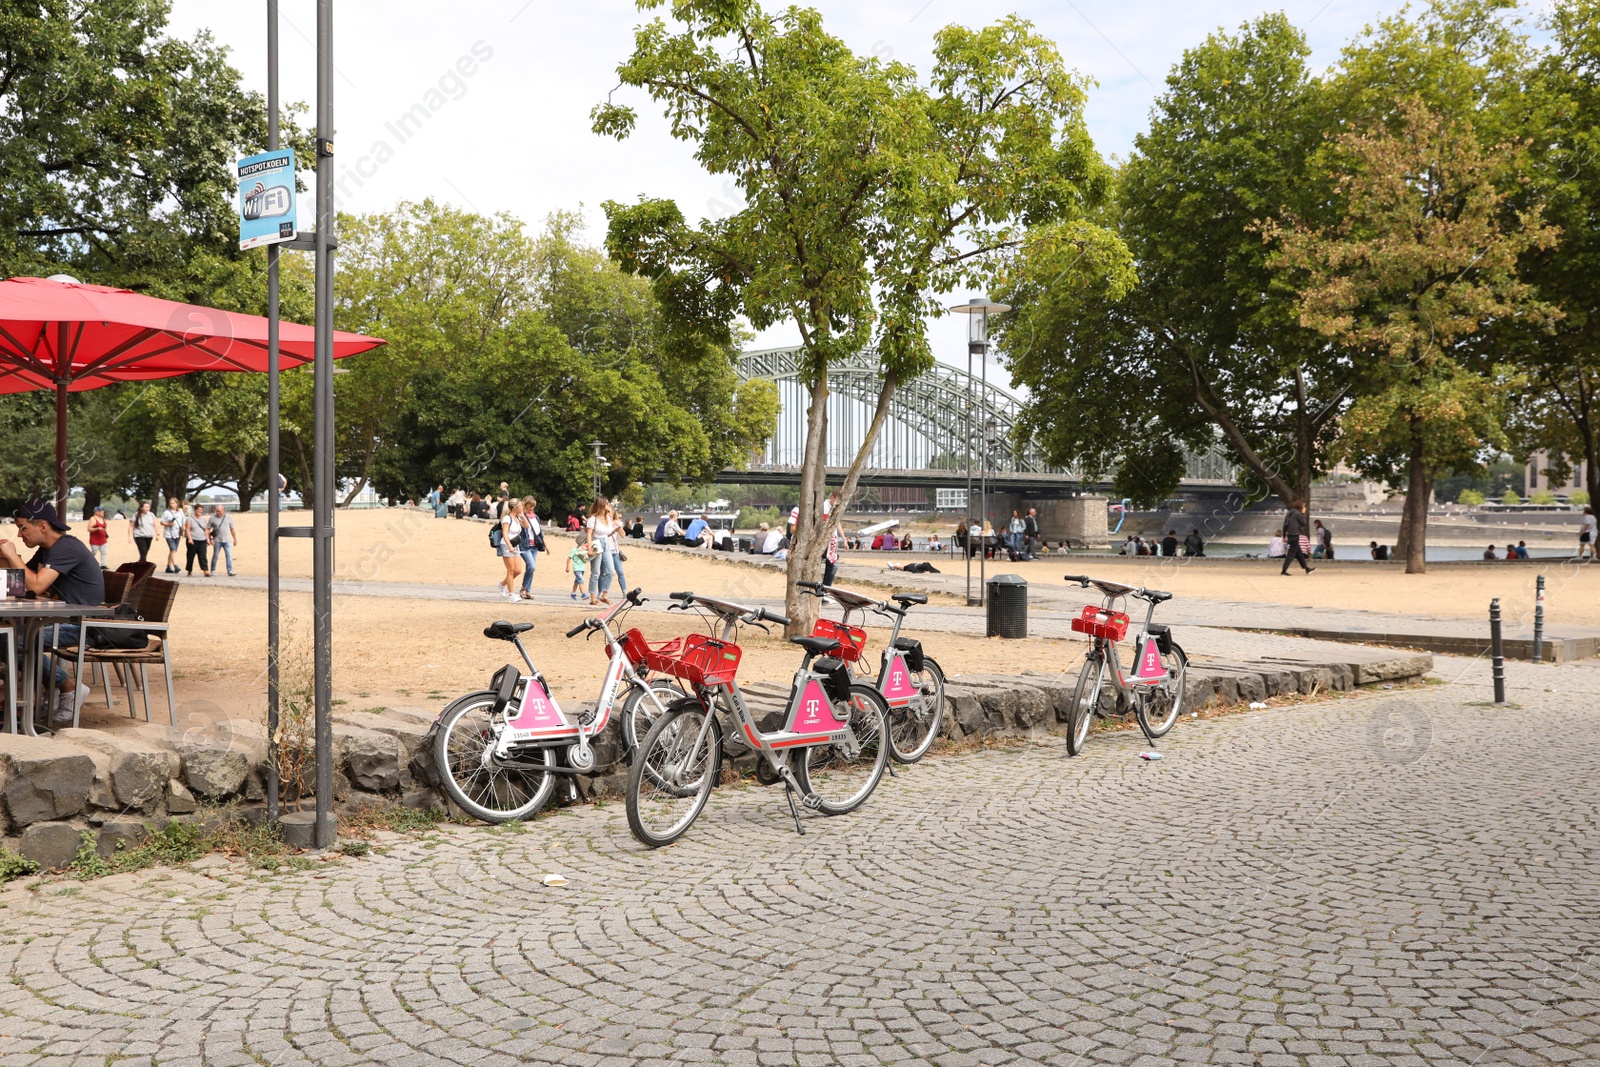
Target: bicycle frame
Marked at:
1150, 671
539, 720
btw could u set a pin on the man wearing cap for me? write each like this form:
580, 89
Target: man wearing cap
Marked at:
63, 568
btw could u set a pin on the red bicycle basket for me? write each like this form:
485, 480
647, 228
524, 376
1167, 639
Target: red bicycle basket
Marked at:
1099, 622
638, 650
697, 659
852, 639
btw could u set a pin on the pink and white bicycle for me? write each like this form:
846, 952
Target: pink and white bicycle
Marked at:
1155, 693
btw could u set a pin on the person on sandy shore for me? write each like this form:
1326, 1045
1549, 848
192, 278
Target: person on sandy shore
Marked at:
507, 541
172, 523
1588, 536
1296, 538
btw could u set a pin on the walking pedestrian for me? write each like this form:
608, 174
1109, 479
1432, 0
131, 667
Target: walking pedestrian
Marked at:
142, 530
531, 545
830, 554
619, 528
223, 537
506, 535
1030, 542
172, 523
99, 536
1588, 535
600, 527
196, 534
1016, 530
1295, 538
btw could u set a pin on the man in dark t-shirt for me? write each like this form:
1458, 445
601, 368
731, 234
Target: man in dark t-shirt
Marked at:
61, 568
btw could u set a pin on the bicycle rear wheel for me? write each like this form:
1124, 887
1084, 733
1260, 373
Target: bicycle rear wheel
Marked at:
844, 780
1159, 707
481, 785
672, 773
914, 726
1085, 698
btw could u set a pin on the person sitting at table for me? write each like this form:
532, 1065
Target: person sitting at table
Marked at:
63, 568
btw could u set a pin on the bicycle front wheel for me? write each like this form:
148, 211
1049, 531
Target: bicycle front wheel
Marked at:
1085, 698
483, 786
672, 774
1159, 708
841, 778
639, 712
914, 726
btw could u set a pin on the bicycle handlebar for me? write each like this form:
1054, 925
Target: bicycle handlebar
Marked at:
578, 629
772, 616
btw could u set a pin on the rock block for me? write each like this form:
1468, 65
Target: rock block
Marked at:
120, 833
51, 844
966, 712
412, 736
371, 760
212, 771
1391, 669
43, 778
179, 800
138, 770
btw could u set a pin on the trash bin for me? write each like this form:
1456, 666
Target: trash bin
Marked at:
1007, 606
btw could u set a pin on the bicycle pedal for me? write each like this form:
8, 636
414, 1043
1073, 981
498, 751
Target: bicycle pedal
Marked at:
812, 801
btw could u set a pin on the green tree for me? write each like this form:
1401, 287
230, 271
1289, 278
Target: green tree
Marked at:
1510, 497
1424, 256
866, 193
1206, 344
1470, 498
1558, 412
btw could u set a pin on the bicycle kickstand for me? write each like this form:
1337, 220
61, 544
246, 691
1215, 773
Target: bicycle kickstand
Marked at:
788, 794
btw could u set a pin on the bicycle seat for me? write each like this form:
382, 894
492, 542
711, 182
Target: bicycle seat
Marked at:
817, 646
500, 630
1155, 596
905, 600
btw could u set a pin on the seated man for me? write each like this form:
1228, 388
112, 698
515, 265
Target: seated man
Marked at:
1522, 550
61, 568
1488, 553
771, 541
694, 536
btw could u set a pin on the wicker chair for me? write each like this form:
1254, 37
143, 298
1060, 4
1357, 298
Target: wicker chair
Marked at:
139, 572
153, 603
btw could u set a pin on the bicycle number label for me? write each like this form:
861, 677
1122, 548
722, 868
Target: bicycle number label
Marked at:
813, 712
899, 689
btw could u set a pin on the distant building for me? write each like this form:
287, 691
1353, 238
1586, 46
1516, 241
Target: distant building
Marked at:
1539, 478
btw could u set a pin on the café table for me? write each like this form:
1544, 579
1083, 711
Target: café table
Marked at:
29, 617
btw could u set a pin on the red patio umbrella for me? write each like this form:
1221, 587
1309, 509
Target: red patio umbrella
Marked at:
69, 336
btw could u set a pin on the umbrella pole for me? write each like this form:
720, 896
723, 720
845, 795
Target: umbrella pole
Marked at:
61, 445
273, 635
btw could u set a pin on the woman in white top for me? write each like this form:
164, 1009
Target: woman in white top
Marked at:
529, 547
506, 547
619, 530
601, 538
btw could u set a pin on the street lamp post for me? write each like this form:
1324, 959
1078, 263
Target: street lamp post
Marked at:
977, 309
598, 460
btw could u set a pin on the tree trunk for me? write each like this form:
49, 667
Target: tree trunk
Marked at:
1419, 487
805, 555
91, 500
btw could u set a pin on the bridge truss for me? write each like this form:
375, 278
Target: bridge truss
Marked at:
930, 422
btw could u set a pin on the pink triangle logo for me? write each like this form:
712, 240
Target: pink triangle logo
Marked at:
898, 688
1150, 665
539, 711
813, 713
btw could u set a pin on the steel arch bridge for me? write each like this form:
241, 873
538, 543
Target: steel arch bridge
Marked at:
924, 438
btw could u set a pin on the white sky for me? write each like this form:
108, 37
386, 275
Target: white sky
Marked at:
515, 134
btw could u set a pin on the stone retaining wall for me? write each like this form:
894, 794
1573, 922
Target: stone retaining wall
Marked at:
116, 785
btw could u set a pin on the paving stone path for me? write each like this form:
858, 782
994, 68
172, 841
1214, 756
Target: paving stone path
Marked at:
1396, 879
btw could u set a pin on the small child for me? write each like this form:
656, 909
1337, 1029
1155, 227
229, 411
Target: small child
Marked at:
578, 563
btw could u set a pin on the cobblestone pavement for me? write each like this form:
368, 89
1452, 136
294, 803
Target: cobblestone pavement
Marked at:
1410, 878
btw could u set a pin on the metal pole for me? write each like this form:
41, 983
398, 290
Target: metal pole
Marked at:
983, 477
1497, 652
273, 557
322, 416
1538, 622
970, 534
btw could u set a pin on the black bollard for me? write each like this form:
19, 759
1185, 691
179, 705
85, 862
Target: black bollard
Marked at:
1497, 652
1538, 621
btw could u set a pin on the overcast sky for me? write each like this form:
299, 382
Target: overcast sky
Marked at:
513, 133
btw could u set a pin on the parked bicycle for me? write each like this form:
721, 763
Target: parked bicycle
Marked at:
500, 751
828, 747
1155, 693
911, 681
